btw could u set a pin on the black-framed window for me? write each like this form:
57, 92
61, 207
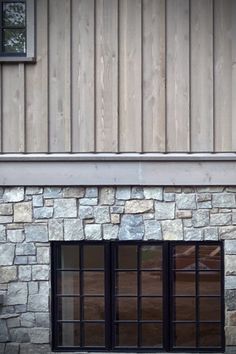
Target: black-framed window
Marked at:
138, 296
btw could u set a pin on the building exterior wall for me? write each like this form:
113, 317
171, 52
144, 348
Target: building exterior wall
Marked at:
124, 76
31, 217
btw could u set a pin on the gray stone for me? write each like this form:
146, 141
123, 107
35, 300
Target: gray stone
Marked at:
31, 259
88, 201
36, 233
137, 193
32, 288
228, 232
52, 192
186, 201
211, 234
43, 255
110, 232
2, 233
93, 232
138, 206
230, 246
34, 190
24, 272
200, 218
40, 272
85, 212
55, 230
21, 260
44, 287
73, 230
152, 230
117, 209
19, 335
6, 209
211, 189
153, 193
17, 293
27, 348
37, 201
230, 300
5, 219
172, 230
204, 205
164, 211
223, 200
27, 319
12, 348
230, 282
132, 227
123, 193
193, 234
102, 214
49, 202
15, 235
42, 320
230, 264
2, 347
91, 192
43, 213
8, 274
20, 308
23, 212
203, 197
4, 336
14, 194
38, 303
73, 192
107, 196
7, 251
13, 322
220, 219
25, 249
39, 335
169, 197
65, 208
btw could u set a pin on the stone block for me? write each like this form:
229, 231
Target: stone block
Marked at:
172, 230
164, 211
40, 272
23, 212
25, 249
15, 236
12, 348
4, 335
52, 192
107, 196
115, 218
2, 233
117, 209
39, 335
138, 206
223, 200
5, 219
43, 213
27, 319
42, 320
200, 218
55, 230
24, 273
220, 219
7, 252
73, 230
19, 335
93, 232
153, 193
13, 194
230, 335
32, 287
231, 318
230, 264
204, 205
34, 190
65, 208
137, 193
192, 234
38, 303
8, 274
20, 260
91, 192
48, 202
230, 300
43, 255
184, 214
186, 201
36, 233
101, 214
169, 197
123, 193
88, 201
6, 209
152, 230
13, 322
132, 227
110, 232
17, 293
37, 201
230, 246
230, 282
228, 232
211, 234
73, 192
85, 212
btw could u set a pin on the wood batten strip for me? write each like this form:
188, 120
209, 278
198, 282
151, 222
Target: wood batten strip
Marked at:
153, 75
233, 67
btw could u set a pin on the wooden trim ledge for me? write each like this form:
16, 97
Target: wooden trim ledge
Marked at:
117, 169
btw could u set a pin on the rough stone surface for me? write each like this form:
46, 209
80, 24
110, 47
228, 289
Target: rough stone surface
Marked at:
152, 230
73, 192
43, 213
73, 230
211, 234
131, 228
165, 211
6, 209
110, 232
123, 193
15, 194
8, 274
230, 247
7, 251
193, 234
172, 230
2, 233
55, 230
223, 200
138, 206
153, 193
93, 232
15, 235
107, 196
200, 218
4, 336
23, 212
186, 201
36, 233
86, 212
220, 219
39, 335
17, 293
65, 208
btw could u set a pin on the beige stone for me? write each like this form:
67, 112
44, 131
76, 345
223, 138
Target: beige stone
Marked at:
230, 335
7, 274
48, 202
183, 214
23, 212
138, 206
231, 318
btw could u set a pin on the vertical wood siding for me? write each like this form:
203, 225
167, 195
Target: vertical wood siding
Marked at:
124, 76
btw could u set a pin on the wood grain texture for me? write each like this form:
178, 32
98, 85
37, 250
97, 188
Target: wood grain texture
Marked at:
106, 75
201, 75
178, 75
13, 108
130, 75
37, 93
154, 75
59, 76
83, 98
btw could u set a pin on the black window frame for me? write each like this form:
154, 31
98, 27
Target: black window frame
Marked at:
109, 269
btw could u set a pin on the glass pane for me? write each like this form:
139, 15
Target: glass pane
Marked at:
127, 257
93, 257
126, 308
151, 257
184, 309
13, 14
152, 335
68, 283
209, 257
94, 308
69, 257
93, 283
151, 309
209, 309
14, 41
68, 334
185, 335
126, 283
151, 283
184, 283
210, 335
94, 335
126, 335
209, 283
184, 257
69, 308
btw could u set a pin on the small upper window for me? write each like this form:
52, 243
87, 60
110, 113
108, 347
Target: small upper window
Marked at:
17, 30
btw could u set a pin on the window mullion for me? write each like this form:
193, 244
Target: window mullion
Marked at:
81, 297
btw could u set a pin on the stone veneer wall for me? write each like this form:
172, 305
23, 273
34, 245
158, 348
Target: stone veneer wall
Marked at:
31, 217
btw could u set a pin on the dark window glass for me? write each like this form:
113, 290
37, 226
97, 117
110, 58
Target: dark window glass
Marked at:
185, 335
70, 257
68, 283
69, 308
93, 257
152, 335
185, 309
126, 335
184, 283
68, 334
151, 257
94, 335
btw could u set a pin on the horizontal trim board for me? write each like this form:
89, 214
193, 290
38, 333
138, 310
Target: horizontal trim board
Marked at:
98, 173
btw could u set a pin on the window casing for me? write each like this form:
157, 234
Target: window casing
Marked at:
138, 296
17, 30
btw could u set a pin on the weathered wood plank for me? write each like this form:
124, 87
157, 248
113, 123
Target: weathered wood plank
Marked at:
37, 87
13, 108
154, 75
130, 74
106, 75
201, 75
178, 75
83, 82
59, 76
